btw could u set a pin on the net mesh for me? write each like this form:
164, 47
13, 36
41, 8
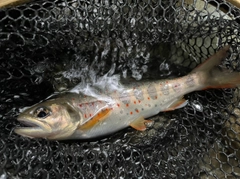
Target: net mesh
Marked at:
48, 46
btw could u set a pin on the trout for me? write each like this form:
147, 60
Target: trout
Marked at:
98, 112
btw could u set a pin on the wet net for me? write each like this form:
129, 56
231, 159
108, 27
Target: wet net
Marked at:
48, 46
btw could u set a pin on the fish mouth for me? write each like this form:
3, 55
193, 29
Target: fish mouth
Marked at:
32, 128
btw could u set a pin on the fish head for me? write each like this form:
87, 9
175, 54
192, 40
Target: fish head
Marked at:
52, 119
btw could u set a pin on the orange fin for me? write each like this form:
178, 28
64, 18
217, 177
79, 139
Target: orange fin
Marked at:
140, 124
103, 114
178, 104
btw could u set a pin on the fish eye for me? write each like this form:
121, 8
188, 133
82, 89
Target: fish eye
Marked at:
42, 112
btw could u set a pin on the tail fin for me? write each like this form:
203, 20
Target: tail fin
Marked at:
213, 77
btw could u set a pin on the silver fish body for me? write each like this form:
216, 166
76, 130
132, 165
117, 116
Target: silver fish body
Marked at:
100, 112
135, 101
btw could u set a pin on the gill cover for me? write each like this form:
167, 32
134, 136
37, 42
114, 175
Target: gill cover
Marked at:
70, 121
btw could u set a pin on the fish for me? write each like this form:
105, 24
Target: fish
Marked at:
96, 112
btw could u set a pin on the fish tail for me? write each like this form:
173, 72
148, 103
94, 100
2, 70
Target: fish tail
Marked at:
214, 77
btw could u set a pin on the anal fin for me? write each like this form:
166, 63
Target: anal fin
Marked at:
178, 104
140, 124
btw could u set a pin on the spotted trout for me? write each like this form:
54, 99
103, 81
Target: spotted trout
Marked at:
97, 112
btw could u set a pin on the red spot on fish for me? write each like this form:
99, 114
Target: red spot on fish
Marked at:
156, 97
127, 105
139, 101
135, 102
118, 105
93, 104
148, 98
137, 110
90, 115
131, 112
80, 105
166, 81
85, 115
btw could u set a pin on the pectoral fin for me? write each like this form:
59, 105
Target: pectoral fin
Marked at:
140, 124
100, 116
178, 104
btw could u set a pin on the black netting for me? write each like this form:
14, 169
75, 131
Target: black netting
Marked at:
47, 46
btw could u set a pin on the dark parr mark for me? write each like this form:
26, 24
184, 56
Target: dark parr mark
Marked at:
138, 94
152, 92
190, 81
176, 87
124, 97
165, 89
